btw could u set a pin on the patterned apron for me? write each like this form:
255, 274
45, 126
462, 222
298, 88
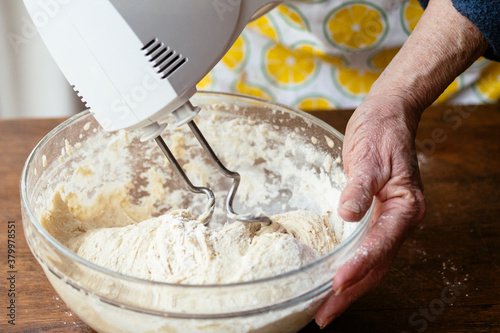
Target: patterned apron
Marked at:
326, 54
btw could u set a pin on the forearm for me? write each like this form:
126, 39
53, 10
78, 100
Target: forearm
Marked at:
379, 155
442, 46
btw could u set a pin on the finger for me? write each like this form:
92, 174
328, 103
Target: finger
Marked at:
380, 245
335, 305
366, 176
397, 210
357, 196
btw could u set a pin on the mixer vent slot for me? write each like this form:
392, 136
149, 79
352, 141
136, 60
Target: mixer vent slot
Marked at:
165, 60
80, 96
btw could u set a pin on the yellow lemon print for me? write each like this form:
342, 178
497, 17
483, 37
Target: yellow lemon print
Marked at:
355, 26
237, 55
487, 88
266, 26
315, 102
332, 60
449, 91
294, 17
310, 49
411, 11
354, 83
480, 62
207, 82
288, 69
380, 61
242, 87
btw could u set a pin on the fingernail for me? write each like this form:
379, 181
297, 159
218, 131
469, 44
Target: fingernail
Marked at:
352, 206
328, 322
338, 291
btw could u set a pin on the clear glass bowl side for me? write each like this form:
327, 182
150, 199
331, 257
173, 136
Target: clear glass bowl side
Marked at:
108, 301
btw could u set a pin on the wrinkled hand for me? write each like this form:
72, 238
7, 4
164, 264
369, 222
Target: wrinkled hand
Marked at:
379, 154
380, 161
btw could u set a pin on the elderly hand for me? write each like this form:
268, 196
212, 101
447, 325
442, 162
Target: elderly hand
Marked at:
379, 153
380, 162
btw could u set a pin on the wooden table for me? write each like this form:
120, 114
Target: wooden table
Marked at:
458, 243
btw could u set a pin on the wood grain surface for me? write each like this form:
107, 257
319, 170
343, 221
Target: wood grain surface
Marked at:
458, 243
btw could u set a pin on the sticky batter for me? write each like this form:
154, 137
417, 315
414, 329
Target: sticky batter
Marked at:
177, 248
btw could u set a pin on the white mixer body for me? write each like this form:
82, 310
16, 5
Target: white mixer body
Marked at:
132, 62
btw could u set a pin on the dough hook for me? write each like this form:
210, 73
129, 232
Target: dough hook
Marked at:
206, 217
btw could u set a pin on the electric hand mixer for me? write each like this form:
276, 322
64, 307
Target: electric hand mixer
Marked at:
134, 61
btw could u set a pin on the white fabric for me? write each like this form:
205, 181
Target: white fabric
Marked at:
31, 85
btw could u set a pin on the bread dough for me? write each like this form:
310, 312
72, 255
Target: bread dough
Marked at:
176, 248
113, 201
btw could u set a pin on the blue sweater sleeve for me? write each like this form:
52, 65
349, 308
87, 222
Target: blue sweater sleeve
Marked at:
485, 15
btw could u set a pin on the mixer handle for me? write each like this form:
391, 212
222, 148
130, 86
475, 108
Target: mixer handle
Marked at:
250, 11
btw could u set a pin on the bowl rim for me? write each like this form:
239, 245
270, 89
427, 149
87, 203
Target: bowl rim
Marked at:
362, 224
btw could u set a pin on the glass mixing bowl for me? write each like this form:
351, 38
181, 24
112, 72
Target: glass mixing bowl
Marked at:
273, 181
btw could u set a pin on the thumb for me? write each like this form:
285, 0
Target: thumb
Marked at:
366, 166
357, 196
